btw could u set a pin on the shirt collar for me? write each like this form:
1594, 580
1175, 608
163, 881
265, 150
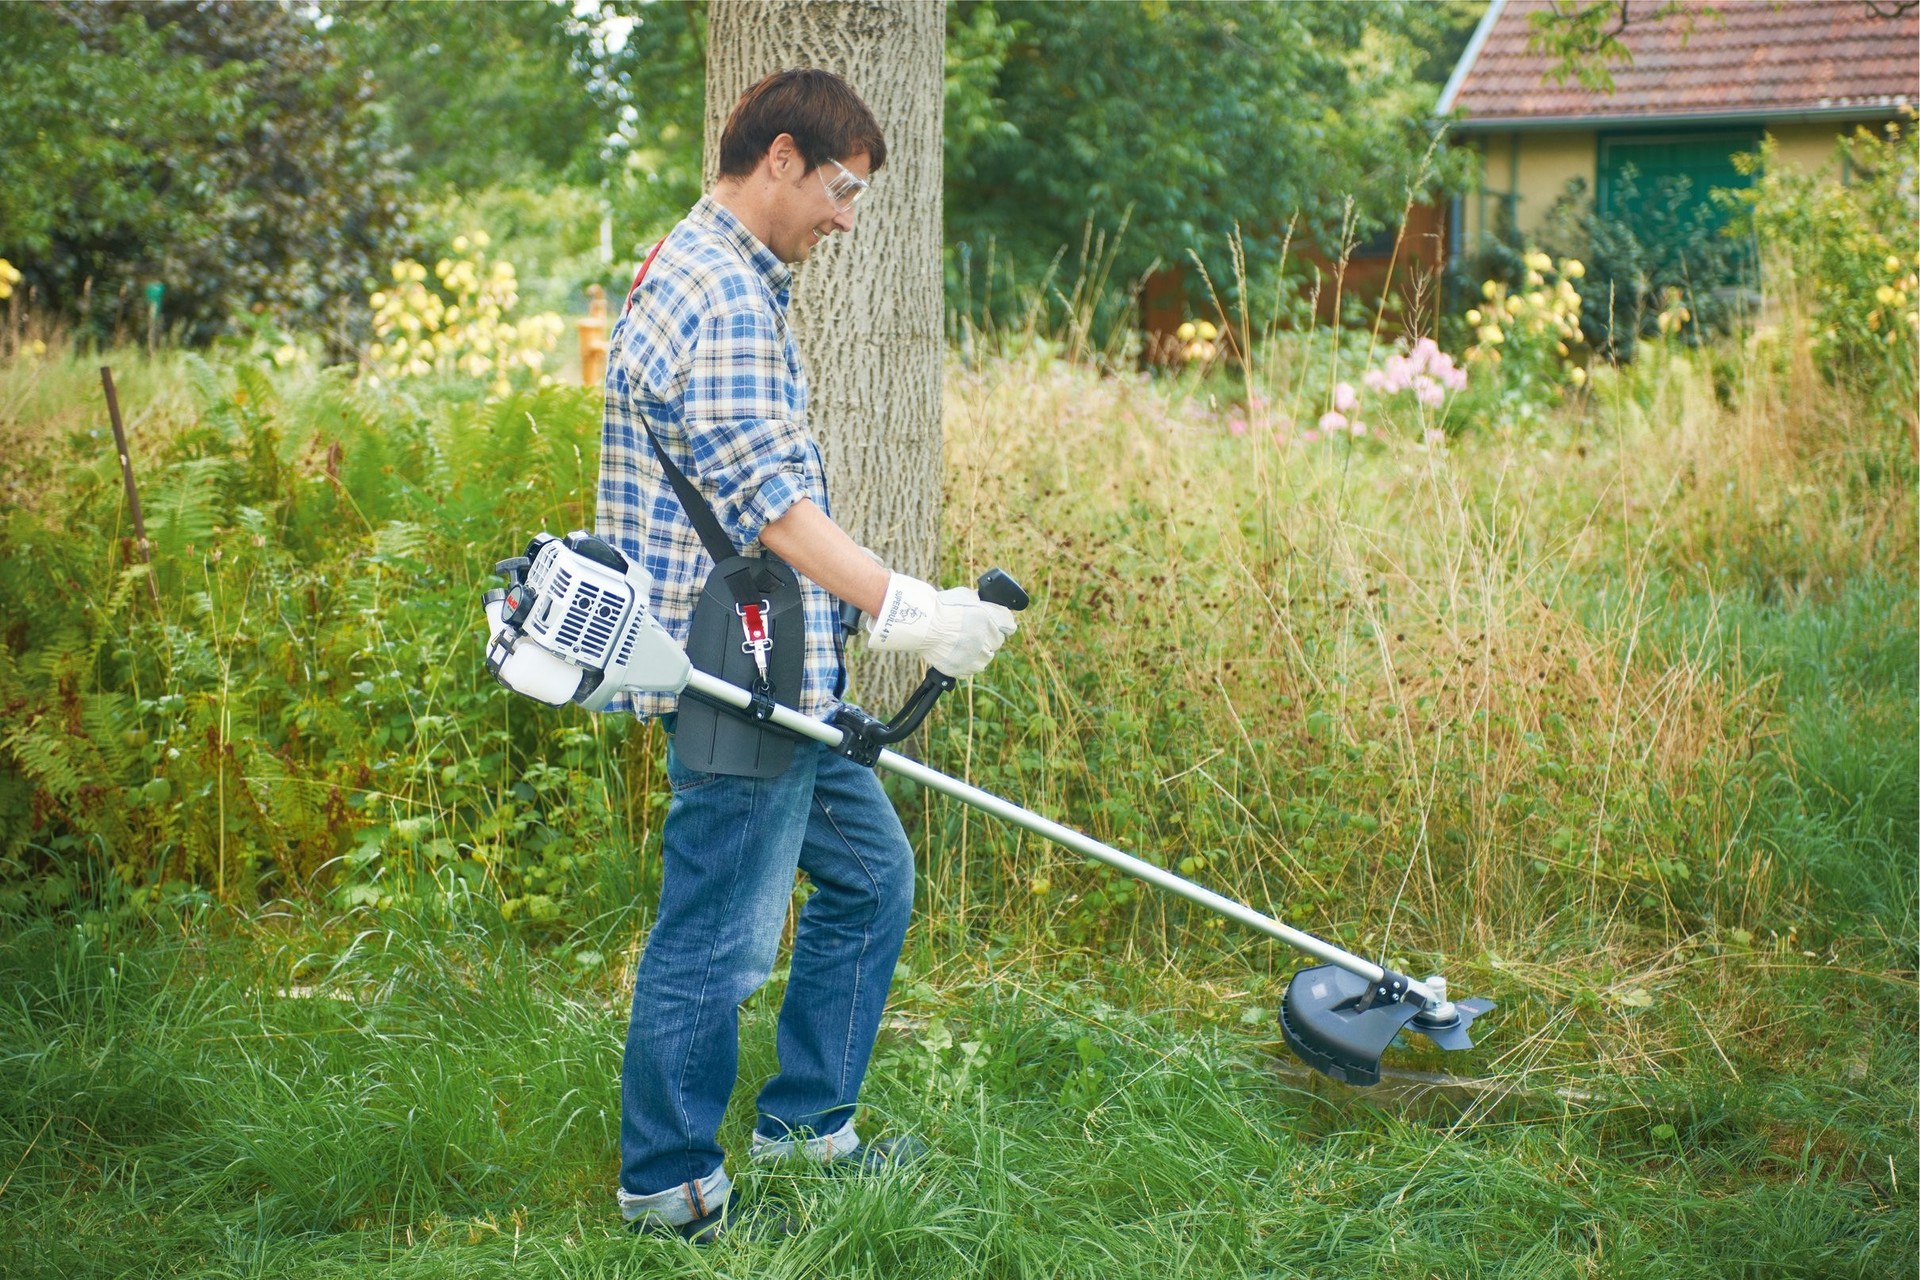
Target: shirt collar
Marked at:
710, 215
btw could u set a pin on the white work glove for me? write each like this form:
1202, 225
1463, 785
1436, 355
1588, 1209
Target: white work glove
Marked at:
954, 630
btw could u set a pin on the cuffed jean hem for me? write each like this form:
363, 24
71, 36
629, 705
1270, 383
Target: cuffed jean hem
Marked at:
677, 1206
841, 1142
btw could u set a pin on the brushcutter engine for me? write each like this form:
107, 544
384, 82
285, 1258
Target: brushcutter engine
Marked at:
573, 625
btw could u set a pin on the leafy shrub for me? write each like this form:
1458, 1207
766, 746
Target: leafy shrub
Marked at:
1851, 252
552, 237
305, 713
1674, 250
462, 323
220, 149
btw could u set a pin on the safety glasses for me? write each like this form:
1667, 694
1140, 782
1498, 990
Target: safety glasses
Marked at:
844, 189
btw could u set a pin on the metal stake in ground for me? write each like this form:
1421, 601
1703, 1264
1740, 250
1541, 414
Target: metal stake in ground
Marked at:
126, 475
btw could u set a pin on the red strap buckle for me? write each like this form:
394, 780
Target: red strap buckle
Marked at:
758, 642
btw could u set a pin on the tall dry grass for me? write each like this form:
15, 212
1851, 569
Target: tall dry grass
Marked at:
1460, 702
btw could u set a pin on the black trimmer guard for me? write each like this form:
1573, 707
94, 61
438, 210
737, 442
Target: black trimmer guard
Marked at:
1329, 1023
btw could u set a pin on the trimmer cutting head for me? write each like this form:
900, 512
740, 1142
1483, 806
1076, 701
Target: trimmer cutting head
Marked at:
1339, 1023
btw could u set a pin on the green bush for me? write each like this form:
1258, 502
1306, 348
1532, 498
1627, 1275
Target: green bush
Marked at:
305, 712
1674, 251
221, 150
1850, 253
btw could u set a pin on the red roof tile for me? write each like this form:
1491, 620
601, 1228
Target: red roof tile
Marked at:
1756, 57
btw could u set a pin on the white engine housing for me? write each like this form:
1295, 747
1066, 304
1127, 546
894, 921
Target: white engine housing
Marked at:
587, 636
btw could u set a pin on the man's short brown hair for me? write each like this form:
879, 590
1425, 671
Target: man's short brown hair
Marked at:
826, 117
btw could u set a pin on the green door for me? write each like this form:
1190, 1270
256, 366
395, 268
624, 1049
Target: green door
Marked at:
1651, 181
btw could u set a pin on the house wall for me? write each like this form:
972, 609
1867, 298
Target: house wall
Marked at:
1548, 161
1526, 171
1529, 170
1810, 147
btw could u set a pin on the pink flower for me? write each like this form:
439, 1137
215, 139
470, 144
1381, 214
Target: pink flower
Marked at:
1399, 369
1333, 420
1435, 437
1456, 379
1374, 380
1358, 428
1344, 397
1427, 391
1236, 425
1309, 436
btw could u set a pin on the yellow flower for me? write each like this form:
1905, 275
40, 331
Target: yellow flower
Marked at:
1893, 265
1572, 268
1515, 306
1537, 261
1884, 295
1473, 317
460, 244
1490, 290
1206, 330
1578, 375
1185, 332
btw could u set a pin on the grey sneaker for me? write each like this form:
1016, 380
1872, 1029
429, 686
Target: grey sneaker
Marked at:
879, 1156
734, 1220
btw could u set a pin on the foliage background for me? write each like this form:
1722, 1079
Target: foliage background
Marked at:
264, 160
222, 149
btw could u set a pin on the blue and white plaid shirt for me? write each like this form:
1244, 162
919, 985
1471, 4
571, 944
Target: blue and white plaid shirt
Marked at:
703, 353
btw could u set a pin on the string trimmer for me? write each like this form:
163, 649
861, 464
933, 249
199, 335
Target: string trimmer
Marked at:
573, 626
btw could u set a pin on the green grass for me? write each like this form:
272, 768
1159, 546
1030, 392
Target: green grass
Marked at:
437, 1101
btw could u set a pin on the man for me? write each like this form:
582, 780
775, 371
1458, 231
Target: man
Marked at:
704, 356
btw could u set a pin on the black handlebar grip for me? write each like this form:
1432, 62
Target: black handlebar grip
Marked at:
996, 586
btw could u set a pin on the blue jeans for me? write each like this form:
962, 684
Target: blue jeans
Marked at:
730, 849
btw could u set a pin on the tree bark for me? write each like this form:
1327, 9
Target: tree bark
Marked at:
867, 306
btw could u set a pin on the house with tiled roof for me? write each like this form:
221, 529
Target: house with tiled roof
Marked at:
1697, 86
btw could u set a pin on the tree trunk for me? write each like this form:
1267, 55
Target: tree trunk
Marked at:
867, 306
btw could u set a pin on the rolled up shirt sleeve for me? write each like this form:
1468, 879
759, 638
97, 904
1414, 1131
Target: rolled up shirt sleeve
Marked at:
742, 413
